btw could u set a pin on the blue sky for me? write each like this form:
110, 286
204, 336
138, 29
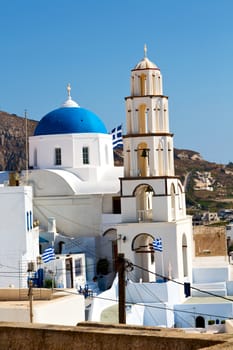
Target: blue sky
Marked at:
93, 45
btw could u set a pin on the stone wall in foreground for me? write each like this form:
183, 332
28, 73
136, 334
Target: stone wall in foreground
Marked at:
89, 336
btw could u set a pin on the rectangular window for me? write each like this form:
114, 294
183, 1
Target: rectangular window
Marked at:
57, 156
78, 267
85, 155
116, 205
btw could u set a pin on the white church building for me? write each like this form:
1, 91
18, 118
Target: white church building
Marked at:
90, 209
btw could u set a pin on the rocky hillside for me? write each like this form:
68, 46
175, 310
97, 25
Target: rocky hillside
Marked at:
12, 140
206, 183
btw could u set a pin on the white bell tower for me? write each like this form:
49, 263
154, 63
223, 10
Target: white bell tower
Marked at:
148, 143
152, 197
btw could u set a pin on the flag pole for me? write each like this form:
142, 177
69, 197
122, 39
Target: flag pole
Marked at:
53, 274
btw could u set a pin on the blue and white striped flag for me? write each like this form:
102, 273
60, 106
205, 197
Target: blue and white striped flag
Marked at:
157, 244
48, 255
117, 140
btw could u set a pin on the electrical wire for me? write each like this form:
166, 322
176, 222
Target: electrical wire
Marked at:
180, 283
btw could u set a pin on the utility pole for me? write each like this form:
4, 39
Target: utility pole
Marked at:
121, 288
30, 297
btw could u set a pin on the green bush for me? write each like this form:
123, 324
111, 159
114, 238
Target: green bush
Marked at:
48, 283
211, 322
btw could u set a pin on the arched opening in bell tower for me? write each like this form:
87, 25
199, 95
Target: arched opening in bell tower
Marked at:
143, 159
180, 197
144, 257
143, 119
144, 194
143, 84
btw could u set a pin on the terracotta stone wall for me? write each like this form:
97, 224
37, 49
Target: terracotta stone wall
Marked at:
210, 241
89, 336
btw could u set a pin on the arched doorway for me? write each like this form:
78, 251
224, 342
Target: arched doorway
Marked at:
200, 322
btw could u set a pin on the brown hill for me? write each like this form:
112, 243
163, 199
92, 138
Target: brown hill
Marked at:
12, 140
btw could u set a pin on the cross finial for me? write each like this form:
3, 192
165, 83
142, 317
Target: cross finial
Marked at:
68, 90
145, 51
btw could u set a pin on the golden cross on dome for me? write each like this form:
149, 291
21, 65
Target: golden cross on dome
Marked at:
145, 51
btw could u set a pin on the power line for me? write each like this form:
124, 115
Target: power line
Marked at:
180, 283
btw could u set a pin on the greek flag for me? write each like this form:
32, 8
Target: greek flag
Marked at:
117, 140
48, 255
157, 245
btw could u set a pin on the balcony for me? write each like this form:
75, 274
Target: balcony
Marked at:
145, 215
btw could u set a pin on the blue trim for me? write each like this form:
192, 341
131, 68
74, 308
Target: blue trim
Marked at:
30, 219
27, 221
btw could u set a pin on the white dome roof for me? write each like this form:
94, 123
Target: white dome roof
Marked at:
145, 63
70, 103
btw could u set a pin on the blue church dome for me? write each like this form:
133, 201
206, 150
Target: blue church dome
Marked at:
69, 120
